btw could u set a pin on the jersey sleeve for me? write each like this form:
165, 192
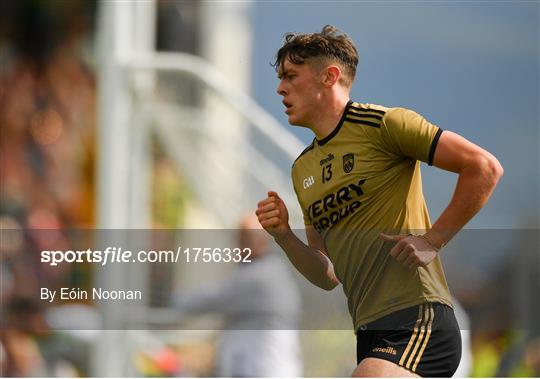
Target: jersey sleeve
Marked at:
406, 133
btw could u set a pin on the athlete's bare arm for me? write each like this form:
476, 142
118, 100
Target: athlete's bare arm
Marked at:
479, 171
310, 260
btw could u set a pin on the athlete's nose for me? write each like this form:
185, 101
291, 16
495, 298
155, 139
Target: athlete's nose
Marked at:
281, 89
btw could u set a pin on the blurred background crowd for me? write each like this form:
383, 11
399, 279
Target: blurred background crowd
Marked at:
47, 123
48, 181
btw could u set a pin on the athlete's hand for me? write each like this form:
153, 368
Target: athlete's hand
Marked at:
273, 215
411, 251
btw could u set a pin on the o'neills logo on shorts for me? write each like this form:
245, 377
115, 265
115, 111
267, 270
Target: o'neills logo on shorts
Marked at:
387, 350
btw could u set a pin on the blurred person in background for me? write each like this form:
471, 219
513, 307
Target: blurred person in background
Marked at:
32, 348
261, 307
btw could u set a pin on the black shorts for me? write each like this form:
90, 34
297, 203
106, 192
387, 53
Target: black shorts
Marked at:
424, 339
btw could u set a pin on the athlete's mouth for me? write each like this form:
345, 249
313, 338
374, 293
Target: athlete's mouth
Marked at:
287, 104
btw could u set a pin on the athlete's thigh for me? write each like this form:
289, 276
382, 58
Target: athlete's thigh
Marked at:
375, 367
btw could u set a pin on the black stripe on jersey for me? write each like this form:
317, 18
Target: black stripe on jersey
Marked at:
366, 115
434, 146
363, 122
368, 110
338, 126
305, 151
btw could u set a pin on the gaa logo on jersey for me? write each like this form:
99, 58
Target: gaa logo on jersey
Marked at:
308, 182
348, 163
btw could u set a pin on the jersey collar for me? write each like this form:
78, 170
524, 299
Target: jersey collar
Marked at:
337, 128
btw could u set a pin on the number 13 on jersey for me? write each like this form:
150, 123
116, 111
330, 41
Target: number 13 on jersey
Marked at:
326, 173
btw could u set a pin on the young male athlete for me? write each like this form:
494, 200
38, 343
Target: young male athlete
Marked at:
366, 220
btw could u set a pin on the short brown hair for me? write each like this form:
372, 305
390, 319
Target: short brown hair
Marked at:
329, 43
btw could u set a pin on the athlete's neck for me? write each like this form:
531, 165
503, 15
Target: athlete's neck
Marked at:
329, 117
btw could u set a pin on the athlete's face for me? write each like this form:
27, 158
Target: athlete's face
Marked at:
301, 88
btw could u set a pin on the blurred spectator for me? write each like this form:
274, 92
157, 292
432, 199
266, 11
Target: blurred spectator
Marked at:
521, 358
33, 349
261, 305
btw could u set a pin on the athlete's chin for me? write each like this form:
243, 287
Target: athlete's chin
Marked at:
295, 121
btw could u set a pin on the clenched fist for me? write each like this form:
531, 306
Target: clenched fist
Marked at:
273, 215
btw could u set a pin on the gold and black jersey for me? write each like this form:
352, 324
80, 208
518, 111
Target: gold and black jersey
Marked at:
363, 179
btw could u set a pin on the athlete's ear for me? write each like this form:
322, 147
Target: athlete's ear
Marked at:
331, 75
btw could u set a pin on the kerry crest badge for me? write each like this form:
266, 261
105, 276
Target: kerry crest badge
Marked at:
348, 162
